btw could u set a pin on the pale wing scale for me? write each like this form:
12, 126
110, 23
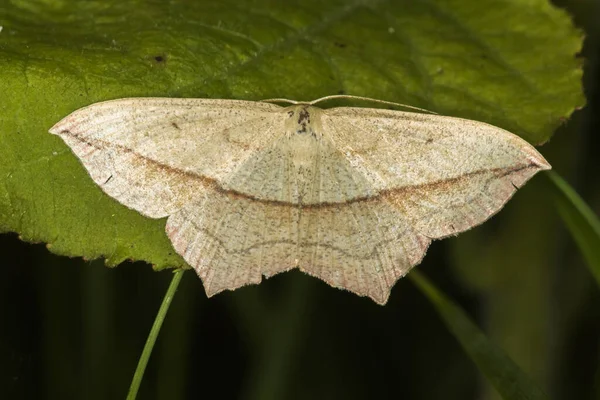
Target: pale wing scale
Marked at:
210, 138
146, 186
232, 241
452, 207
155, 155
445, 174
328, 176
408, 149
370, 244
265, 176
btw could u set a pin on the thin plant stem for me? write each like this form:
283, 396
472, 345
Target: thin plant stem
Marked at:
160, 317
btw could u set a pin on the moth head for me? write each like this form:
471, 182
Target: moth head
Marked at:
303, 121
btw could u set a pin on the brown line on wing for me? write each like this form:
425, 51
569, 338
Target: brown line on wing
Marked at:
213, 183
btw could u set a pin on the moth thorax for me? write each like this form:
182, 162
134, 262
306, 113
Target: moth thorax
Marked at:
303, 121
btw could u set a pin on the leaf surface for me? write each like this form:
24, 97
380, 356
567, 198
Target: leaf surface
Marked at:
508, 63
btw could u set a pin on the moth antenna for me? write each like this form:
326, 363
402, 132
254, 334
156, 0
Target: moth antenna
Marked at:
282, 101
347, 96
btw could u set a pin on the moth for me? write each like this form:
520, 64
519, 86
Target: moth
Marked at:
353, 196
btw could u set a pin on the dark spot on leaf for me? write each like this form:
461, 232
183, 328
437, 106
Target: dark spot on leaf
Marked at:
341, 91
291, 113
106, 181
430, 140
159, 59
174, 125
340, 45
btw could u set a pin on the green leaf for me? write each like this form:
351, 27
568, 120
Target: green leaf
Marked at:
460, 58
508, 379
581, 221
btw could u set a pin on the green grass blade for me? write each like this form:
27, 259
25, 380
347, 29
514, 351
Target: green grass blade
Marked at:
581, 221
502, 372
160, 317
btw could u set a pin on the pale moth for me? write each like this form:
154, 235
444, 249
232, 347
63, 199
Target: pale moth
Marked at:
353, 196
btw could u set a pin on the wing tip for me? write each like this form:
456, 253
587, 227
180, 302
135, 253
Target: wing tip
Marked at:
541, 163
61, 127
56, 129
537, 159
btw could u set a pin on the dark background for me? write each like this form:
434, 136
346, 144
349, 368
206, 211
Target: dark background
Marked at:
74, 329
